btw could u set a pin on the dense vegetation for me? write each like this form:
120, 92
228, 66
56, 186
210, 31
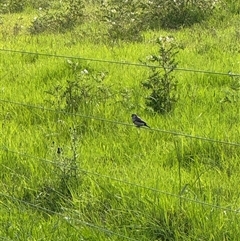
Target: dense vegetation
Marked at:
73, 166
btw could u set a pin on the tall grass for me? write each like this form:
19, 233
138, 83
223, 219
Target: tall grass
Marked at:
68, 176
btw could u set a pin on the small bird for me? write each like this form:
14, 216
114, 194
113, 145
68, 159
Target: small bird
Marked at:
138, 122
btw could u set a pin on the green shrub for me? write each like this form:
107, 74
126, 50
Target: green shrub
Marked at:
127, 19
11, 6
39, 3
58, 17
83, 92
123, 19
174, 14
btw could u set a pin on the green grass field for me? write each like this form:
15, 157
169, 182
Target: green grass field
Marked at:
78, 169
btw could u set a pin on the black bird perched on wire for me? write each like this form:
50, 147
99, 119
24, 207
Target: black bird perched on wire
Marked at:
138, 122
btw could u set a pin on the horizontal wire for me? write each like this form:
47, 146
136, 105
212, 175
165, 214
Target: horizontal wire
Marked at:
163, 192
231, 74
132, 184
124, 124
67, 219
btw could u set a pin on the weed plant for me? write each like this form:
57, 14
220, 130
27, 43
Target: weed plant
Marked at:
161, 82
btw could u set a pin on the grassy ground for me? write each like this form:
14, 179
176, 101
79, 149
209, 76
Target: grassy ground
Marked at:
94, 176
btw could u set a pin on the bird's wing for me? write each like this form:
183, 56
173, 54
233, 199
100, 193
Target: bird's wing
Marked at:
139, 119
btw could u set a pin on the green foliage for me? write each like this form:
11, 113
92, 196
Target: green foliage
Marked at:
16, 6
174, 14
232, 5
123, 19
56, 193
161, 82
83, 92
11, 6
170, 225
58, 17
127, 19
232, 93
40, 3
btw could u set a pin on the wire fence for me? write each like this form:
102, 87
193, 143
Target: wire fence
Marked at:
230, 73
115, 122
90, 173
175, 133
74, 222
68, 219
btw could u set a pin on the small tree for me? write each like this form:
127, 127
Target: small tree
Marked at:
161, 82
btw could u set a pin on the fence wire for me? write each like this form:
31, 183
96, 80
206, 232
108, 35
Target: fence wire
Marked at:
68, 219
90, 173
229, 73
175, 133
